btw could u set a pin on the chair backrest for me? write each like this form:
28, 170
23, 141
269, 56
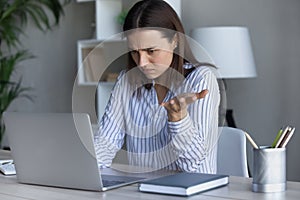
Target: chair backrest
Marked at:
232, 154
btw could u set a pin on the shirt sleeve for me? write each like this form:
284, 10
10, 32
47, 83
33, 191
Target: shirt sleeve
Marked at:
110, 136
194, 137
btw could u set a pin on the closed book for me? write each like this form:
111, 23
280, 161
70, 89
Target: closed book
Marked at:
184, 183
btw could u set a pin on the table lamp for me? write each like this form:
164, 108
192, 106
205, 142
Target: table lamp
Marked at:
229, 49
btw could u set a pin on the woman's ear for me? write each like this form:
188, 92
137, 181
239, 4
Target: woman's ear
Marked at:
175, 41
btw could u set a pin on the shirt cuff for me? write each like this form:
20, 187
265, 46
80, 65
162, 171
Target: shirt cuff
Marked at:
180, 126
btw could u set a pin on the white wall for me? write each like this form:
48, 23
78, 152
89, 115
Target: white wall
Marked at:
263, 104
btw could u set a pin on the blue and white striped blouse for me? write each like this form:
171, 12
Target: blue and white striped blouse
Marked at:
151, 140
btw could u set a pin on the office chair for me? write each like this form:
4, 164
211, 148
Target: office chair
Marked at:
232, 154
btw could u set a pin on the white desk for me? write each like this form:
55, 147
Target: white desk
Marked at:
238, 188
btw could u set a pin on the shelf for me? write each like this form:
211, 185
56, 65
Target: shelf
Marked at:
106, 83
97, 59
82, 1
84, 47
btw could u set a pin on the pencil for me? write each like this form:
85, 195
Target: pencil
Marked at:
287, 138
251, 140
277, 137
286, 130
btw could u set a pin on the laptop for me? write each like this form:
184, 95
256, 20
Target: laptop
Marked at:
56, 149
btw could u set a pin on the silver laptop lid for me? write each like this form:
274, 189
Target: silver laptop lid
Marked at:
49, 149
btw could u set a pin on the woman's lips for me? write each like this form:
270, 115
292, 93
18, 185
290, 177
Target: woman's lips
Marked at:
148, 71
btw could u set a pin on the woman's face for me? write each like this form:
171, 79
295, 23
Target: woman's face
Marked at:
151, 52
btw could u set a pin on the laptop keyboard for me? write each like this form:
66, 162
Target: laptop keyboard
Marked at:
108, 183
113, 180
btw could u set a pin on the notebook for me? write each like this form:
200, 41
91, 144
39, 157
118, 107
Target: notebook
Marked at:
50, 149
184, 184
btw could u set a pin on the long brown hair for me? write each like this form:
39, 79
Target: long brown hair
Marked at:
159, 15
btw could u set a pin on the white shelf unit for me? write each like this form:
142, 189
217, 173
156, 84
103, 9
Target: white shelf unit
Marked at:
106, 15
96, 60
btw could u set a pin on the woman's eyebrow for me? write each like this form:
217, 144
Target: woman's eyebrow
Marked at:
144, 49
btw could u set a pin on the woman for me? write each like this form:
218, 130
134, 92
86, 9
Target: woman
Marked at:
165, 106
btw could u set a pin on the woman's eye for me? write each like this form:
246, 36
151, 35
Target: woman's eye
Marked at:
133, 52
150, 51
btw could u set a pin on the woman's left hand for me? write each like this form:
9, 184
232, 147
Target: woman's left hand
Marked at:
177, 107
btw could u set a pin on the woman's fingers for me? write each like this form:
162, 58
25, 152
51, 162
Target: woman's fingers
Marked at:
201, 94
189, 98
175, 105
181, 101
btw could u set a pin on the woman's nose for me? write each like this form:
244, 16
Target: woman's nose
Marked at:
143, 59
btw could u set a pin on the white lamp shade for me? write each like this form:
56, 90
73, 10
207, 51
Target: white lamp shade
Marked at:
229, 48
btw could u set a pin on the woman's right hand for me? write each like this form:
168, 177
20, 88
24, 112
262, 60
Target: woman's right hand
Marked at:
177, 106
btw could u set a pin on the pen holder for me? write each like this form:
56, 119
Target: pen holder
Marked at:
269, 169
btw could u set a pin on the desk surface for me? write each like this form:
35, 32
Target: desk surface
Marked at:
238, 188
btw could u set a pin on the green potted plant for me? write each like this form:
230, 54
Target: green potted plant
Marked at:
14, 15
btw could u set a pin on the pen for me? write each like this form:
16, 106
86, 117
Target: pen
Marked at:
251, 140
286, 130
277, 137
287, 138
